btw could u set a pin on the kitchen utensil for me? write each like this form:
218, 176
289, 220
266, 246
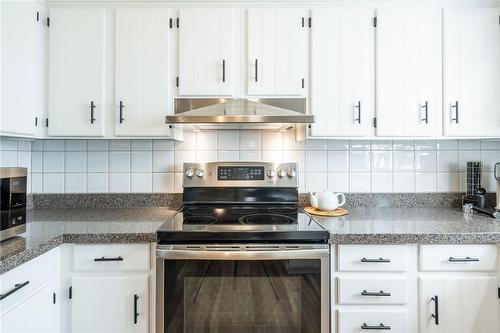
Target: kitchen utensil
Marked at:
326, 200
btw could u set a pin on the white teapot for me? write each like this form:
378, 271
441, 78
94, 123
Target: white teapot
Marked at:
327, 201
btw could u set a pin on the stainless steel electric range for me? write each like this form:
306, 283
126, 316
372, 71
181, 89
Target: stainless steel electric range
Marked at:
240, 255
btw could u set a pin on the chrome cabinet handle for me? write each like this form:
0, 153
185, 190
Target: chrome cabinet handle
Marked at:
256, 69
455, 106
381, 260
465, 259
121, 112
375, 327
358, 107
17, 286
120, 258
374, 293
223, 70
435, 315
426, 108
92, 108
136, 312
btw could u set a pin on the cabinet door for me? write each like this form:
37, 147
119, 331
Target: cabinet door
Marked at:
142, 80
465, 304
206, 51
471, 72
109, 303
276, 51
408, 72
35, 314
342, 72
22, 47
76, 72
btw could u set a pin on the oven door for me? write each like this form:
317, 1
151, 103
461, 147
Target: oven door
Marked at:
242, 288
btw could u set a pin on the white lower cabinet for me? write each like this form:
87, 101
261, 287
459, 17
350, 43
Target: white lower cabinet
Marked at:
31, 296
38, 313
351, 321
459, 304
415, 288
110, 288
110, 303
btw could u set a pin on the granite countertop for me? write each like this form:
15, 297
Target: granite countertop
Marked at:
48, 228
411, 226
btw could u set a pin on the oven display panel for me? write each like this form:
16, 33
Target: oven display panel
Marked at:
240, 173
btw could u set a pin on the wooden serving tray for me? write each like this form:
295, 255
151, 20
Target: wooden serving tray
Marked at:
336, 212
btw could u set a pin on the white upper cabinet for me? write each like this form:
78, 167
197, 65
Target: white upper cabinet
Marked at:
142, 80
408, 72
342, 72
277, 51
76, 72
206, 59
22, 48
472, 72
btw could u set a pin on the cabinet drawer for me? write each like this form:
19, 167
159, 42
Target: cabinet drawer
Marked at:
458, 257
372, 258
111, 257
29, 277
366, 321
372, 290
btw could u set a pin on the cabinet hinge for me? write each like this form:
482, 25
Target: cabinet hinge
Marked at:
48, 21
303, 83
177, 81
70, 292
36, 121
37, 16
375, 122
309, 22
53, 298
47, 122
375, 21
177, 22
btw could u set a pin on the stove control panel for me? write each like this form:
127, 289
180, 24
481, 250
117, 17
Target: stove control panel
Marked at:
240, 174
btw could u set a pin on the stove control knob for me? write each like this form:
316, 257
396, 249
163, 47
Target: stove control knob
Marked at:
291, 173
281, 173
200, 173
189, 173
271, 173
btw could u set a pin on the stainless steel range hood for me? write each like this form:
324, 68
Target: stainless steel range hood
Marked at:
240, 113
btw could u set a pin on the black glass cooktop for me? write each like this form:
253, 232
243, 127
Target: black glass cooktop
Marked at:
249, 223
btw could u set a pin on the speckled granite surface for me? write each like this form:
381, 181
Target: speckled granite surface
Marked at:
411, 225
131, 200
106, 200
408, 200
48, 228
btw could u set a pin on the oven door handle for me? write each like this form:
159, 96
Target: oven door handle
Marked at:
240, 255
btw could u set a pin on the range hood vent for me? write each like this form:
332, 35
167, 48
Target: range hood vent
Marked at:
218, 112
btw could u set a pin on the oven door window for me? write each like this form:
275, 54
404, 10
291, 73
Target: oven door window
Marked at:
242, 296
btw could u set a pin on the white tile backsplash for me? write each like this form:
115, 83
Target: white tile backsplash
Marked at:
100, 166
119, 161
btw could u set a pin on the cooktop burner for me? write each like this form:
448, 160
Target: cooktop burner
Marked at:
266, 218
